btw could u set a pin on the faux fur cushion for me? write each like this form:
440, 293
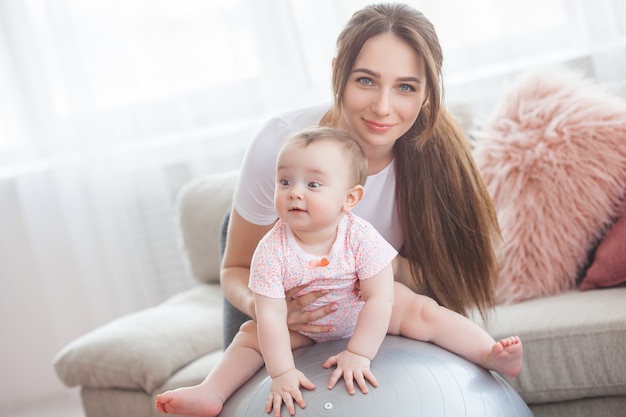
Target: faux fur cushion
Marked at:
608, 268
554, 160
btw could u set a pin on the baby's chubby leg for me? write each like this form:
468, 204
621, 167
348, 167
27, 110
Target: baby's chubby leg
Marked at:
421, 318
240, 362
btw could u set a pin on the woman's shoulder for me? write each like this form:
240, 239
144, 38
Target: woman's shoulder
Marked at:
295, 120
277, 129
254, 194
310, 115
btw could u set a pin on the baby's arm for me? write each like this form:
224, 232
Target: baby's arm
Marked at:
371, 328
275, 344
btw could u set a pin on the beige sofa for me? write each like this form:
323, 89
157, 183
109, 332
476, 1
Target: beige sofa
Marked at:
575, 361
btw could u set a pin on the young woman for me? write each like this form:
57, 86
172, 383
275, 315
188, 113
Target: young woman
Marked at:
424, 193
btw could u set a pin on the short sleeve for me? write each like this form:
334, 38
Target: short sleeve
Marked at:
266, 269
372, 252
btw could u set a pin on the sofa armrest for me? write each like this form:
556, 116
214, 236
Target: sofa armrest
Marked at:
201, 206
573, 344
142, 350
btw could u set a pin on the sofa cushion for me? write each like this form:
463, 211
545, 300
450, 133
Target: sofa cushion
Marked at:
109, 402
573, 344
554, 161
608, 267
201, 206
142, 350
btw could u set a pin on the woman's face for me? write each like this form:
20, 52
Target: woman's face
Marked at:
384, 93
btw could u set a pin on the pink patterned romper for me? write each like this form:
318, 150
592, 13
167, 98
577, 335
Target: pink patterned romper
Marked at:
359, 252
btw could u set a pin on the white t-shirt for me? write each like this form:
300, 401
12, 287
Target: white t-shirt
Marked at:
254, 195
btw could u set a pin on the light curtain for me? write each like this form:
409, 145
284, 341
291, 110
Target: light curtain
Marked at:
108, 106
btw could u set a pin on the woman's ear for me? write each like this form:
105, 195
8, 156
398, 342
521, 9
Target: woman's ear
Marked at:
354, 196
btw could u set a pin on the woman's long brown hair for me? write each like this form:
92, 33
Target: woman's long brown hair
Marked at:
448, 221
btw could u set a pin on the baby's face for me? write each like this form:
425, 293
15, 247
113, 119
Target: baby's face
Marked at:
312, 184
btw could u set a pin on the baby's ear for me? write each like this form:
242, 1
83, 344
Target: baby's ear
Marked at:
354, 196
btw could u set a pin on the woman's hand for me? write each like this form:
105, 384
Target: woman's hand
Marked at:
352, 367
299, 320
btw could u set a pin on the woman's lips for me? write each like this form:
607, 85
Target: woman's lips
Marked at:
377, 127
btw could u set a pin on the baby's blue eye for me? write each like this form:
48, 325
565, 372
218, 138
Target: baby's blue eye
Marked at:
284, 182
314, 184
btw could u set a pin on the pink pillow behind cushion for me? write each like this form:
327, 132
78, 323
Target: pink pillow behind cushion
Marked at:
554, 161
608, 268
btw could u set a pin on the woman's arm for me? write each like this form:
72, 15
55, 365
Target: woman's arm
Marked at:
241, 241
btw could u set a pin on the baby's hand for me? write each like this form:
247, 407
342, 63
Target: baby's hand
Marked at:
352, 367
286, 388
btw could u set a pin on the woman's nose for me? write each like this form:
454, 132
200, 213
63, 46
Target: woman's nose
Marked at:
382, 104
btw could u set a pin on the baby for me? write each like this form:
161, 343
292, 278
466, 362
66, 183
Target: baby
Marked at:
318, 244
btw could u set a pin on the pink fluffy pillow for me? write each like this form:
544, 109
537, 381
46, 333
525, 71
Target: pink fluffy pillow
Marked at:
608, 268
554, 161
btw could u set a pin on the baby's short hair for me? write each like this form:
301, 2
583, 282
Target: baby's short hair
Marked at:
351, 147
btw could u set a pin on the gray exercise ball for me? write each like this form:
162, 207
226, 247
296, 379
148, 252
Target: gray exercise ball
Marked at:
415, 379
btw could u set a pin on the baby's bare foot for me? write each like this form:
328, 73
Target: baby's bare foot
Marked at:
197, 401
506, 356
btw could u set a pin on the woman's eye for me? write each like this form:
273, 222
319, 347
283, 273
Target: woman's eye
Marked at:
365, 81
406, 88
314, 184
